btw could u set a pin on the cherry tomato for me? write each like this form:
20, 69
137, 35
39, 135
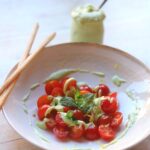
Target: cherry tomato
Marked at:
52, 114
114, 96
41, 111
45, 99
103, 89
50, 124
106, 132
91, 133
116, 120
48, 88
73, 83
76, 132
60, 132
51, 85
63, 81
78, 114
59, 120
84, 92
104, 119
85, 88
57, 92
109, 106
66, 109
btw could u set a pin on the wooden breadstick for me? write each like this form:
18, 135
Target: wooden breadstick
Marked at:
14, 75
6, 93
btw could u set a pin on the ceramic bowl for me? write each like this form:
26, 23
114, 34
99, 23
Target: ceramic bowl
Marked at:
134, 95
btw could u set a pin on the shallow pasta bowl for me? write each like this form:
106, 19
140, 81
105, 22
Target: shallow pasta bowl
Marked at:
133, 95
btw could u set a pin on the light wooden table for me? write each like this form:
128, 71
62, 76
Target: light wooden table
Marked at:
126, 27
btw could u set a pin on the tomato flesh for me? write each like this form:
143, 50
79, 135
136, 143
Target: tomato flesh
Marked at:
44, 100
104, 119
116, 120
41, 111
59, 120
60, 132
76, 132
104, 90
109, 106
91, 133
78, 114
106, 132
50, 124
57, 92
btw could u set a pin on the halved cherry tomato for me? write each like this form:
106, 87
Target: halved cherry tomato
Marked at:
52, 114
60, 132
91, 133
50, 124
51, 85
78, 114
109, 106
104, 119
57, 92
59, 120
76, 132
41, 111
48, 88
43, 100
104, 90
85, 88
84, 92
106, 132
62, 82
73, 83
116, 120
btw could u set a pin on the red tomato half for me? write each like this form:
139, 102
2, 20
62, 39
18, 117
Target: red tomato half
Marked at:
57, 92
63, 81
43, 100
60, 132
50, 124
109, 106
116, 120
76, 132
104, 119
78, 114
106, 132
104, 89
73, 83
51, 85
59, 120
91, 133
41, 111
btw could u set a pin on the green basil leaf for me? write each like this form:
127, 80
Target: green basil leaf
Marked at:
68, 101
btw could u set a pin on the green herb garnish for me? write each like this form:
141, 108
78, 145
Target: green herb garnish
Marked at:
68, 101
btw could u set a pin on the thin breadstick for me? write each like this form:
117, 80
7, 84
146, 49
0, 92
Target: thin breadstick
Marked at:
6, 93
14, 75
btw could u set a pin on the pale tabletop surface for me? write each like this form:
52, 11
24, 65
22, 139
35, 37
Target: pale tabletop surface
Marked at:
126, 27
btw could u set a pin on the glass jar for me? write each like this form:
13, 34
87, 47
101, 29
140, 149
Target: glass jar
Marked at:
87, 25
